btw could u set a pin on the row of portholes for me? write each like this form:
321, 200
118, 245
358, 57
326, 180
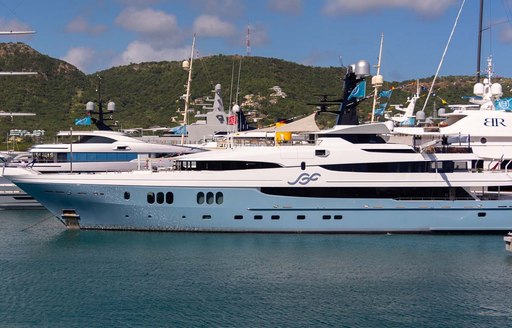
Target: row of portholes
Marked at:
160, 197
210, 198
299, 217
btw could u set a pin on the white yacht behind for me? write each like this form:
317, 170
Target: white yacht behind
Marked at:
101, 151
479, 125
86, 152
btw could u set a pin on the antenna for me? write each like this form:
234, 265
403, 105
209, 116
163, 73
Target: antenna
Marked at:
479, 47
248, 41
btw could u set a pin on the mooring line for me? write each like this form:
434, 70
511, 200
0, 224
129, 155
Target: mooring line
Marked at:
38, 222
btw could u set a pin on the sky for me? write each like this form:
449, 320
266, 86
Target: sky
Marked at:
95, 35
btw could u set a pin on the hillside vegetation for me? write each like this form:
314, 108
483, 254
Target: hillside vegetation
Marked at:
149, 94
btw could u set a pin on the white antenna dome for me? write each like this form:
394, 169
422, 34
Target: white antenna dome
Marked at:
441, 112
185, 65
236, 108
377, 80
478, 89
420, 115
362, 68
496, 90
111, 106
90, 106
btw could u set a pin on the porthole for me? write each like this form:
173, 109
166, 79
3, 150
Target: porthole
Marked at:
169, 197
219, 198
326, 217
303, 166
200, 197
301, 217
338, 217
126, 195
209, 198
151, 197
258, 217
275, 217
239, 217
160, 198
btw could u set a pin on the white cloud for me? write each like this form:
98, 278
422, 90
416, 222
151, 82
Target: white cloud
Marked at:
138, 2
423, 7
138, 52
81, 57
219, 7
212, 26
293, 7
147, 21
80, 25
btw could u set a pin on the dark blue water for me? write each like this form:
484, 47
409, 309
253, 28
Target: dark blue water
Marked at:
52, 277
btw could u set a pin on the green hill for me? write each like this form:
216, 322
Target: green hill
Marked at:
148, 94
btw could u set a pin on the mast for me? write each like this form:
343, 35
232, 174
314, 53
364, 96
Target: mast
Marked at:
479, 49
188, 66
377, 80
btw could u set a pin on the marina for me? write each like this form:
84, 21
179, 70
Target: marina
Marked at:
227, 220
63, 278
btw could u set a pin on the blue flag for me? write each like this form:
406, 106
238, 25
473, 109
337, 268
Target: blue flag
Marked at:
359, 91
385, 93
380, 111
503, 104
83, 121
179, 130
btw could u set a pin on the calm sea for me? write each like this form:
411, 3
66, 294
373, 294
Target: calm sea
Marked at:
51, 277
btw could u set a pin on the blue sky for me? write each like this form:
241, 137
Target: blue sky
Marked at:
98, 34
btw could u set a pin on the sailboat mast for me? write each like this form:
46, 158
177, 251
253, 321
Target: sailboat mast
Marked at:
376, 83
479, 50
189, 80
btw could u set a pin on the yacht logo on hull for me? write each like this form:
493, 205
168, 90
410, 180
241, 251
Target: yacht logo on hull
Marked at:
305, 178
491, 121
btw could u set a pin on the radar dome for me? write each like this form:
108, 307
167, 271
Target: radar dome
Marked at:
377, 80
478, 89
496, 90
111, 106
90, 106
441, 112
236, 109
362, 68
420, 116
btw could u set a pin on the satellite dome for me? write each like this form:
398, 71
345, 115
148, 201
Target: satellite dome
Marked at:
420, 115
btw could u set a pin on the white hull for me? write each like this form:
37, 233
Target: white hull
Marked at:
120, 201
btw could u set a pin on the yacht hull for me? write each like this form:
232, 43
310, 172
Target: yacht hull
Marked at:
249, 210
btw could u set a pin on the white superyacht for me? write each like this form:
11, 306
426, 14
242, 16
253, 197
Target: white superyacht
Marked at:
346, 179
